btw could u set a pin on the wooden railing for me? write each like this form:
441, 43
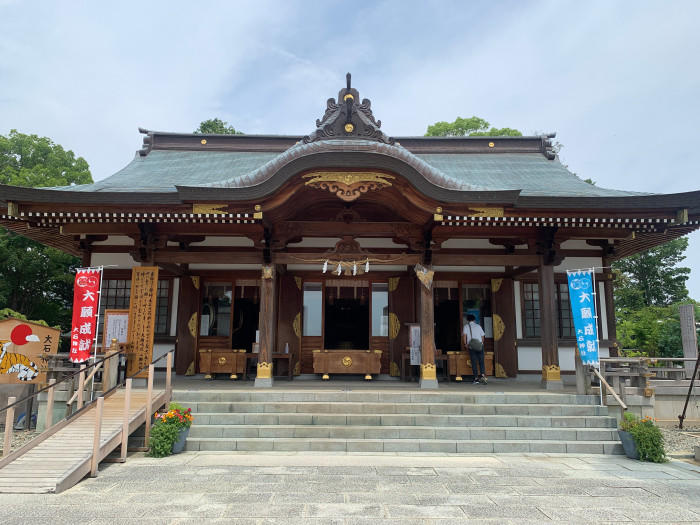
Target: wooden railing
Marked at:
52, 427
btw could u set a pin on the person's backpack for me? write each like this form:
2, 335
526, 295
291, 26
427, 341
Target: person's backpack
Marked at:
474, 343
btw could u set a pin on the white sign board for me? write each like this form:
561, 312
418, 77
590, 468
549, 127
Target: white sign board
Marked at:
116, 327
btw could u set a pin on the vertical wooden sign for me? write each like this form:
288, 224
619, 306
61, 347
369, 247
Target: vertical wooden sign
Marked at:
142, 317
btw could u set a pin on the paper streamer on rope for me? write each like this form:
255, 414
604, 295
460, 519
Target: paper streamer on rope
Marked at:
583, 311
85, 310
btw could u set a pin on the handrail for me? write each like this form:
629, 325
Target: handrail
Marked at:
66, 378
611, 389
77, 372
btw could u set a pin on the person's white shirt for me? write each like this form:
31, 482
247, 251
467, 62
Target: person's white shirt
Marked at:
473, 331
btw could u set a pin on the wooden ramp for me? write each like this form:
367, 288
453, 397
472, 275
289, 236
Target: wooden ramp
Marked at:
64, 457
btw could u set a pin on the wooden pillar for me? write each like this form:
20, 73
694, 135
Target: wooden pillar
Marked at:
266, 325
505, 353
610, 307
428, 376
187, 325
551, 373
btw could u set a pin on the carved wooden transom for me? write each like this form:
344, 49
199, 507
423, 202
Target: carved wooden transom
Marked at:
348, 186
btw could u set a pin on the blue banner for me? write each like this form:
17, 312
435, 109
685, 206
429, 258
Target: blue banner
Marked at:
582, 297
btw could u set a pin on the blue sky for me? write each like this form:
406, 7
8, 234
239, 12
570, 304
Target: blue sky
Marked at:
618, 81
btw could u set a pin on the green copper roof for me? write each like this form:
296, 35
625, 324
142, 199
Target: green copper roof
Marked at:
532, 173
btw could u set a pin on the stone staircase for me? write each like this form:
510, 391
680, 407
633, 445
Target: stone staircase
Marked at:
390, 421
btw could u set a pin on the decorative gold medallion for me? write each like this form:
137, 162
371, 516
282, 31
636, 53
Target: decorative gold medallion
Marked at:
491, 144
203, 141
393, 283
500, 371
347, 361
349, 128
222, 360
296, 324
348, 186
192, 325
499, 327
348, 96
394, 325
496, 284
264, 370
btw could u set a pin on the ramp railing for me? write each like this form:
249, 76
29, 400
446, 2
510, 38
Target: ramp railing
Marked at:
86, 374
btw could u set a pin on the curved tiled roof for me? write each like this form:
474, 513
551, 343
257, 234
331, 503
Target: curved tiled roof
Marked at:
162, 170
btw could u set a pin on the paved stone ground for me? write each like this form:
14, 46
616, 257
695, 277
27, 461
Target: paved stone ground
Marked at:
206, 488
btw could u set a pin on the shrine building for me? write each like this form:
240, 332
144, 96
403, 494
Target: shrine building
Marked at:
328, 248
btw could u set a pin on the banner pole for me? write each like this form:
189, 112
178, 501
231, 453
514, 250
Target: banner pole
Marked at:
597, 328
100, 269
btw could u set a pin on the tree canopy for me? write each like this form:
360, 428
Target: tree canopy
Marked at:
472, 127
653, 277
33, 161
36, 280
216, 126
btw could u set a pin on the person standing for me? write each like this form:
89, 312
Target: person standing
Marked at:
473, 338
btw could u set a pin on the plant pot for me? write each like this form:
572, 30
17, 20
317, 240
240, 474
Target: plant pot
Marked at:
179, 444
628, 444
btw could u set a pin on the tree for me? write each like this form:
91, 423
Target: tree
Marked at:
652, 278
36, 280
471, 127
33, 161
215, 126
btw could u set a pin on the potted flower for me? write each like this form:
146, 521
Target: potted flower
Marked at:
169, 431
641, 438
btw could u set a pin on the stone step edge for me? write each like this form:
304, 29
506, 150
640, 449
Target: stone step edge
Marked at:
390, 414
404, 427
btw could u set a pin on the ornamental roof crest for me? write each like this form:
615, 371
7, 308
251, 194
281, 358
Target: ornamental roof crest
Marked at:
347, 118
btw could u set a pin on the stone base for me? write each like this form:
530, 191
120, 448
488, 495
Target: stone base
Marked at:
428, 384
553, 384
263, 382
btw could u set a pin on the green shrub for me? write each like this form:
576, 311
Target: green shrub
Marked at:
647, 437
160, 443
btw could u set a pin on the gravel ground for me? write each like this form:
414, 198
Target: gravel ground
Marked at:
19, 438
681, 441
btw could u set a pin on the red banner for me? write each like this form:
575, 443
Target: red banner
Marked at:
85, 309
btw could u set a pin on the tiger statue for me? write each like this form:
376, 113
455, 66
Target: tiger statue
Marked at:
11, 363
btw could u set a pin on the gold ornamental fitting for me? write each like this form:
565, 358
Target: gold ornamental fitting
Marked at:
458, 378
233, 376
348, 96
325, 377
427, 371
222, 360
203, 141
208, 376
264, 370
347, 361
349, 127
491, 144
551, 373
368, 377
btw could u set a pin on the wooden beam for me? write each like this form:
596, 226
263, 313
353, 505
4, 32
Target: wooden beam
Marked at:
442, 259
175, 228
